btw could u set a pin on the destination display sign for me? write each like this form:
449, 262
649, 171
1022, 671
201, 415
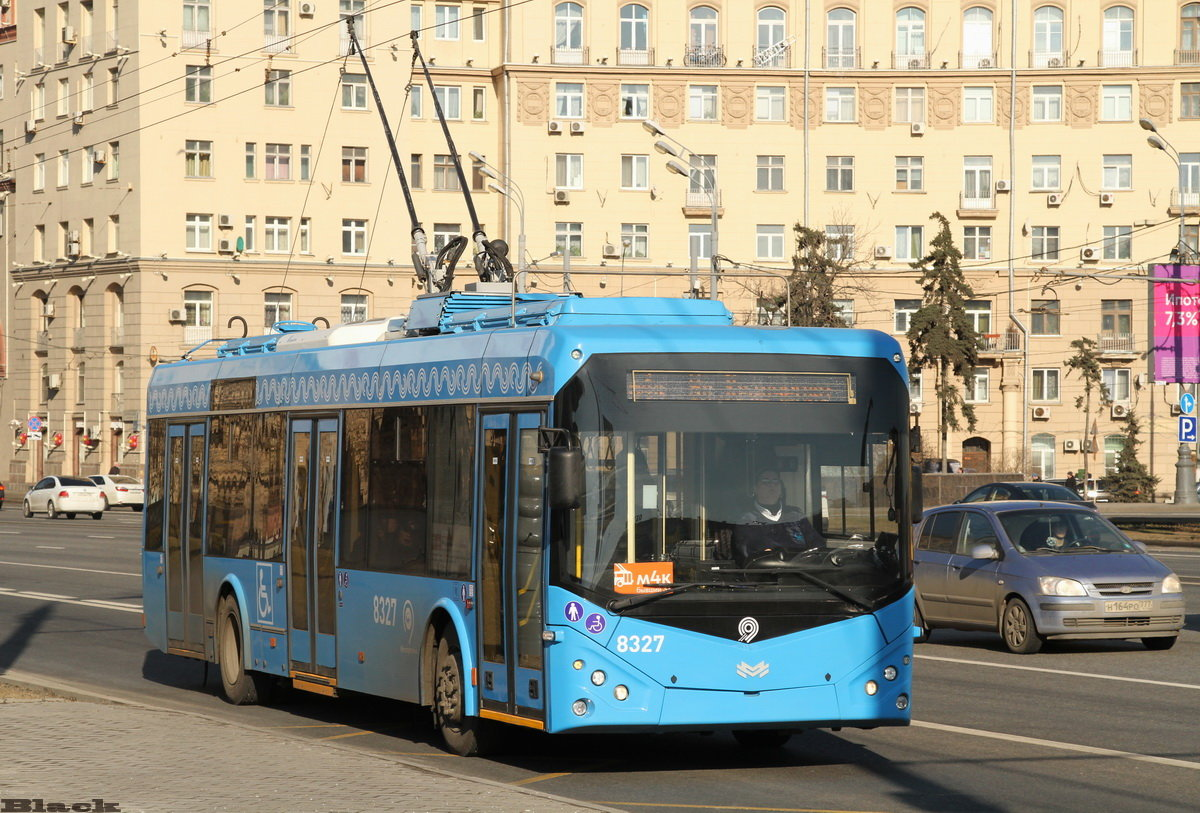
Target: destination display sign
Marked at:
805, 388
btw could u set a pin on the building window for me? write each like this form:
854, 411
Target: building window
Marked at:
1045, 384
354, 308
1044, 317
39, 172
443, 233
198, 308
635, 101
979, 312
1116, 317
1117, 44
87, 91
64, 168
478, 104
839, 243
278, 89
635, 29
977, 242
1046, 172
902, 314
568, 100
277, 234
416, 18
702, 102
1116, 102
197, 84
700, 241
198, 159
445, 175
839, 173
416, 108
978, 105
450, 98
354, 237
635, 240
1117, 172
910, 242
976, 390
251, 160
277, 307
635, 172
278, 162
114, 233
1042, 452
704, 51
910, 105
977, 38
977, 181
1118, 242
1048, 37
910, 34
1189, 100
277, 25
305, 162
351, 10
845, 309
38, 101
771, 50
304, 238
198, 233
568, 171
839, 104
415, 166
769, 173
479, 24
249, 233
445, 19
354, 91
354, 164
910, 173
1047, 103
1045, 242
1116, 383
568, 33
841, 39
197, 25
568, 238
769, 242
769, 104
64, 97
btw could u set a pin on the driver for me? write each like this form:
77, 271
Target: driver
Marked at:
771, 527
1058, 535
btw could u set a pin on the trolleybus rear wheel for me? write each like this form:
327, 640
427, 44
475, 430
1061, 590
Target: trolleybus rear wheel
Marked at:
239, 686
465, 736
762, 738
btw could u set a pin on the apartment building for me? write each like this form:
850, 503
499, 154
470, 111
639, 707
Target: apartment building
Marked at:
176, 169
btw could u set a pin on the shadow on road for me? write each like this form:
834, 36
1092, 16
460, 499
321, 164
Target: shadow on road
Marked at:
15, 644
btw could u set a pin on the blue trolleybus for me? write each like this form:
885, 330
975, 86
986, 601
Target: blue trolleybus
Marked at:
543, 510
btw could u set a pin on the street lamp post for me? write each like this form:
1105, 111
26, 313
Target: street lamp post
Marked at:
1185, 467
711, 188
510, 190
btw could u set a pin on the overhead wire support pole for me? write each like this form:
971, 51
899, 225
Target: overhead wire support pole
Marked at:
419, 251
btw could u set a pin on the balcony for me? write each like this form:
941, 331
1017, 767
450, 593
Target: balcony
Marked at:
1187, 57
39, 58
704, 56
1116, 344
631, 56
1047, 59
700, 204
973, 207
116, 337
79, 339
194, 39
117, 405
910, 62
1116, 59
85, 46
776, 56
1189, 200
275, 44
197, 334
569, 56
43, 342
113, 42
1007, 342
841, 59
974, 61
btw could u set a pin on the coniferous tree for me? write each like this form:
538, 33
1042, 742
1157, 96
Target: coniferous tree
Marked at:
1132, 481
812, 280
941, 337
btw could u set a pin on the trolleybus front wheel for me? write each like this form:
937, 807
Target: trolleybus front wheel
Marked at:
465, 736
239, 686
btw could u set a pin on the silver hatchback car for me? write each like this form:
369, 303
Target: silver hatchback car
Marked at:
1033, 571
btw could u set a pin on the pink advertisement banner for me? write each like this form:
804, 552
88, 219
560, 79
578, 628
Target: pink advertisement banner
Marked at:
1177, 324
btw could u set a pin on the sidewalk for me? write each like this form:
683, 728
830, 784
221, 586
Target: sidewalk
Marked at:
136, 759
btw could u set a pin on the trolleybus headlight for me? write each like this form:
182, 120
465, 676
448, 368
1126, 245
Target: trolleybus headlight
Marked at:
889, 673
580, 707
577, 665
872, 687
902, 702
621, 692
598, 678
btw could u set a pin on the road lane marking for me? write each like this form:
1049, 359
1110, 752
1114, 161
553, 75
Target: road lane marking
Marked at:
1064, 746
343, 736
1060, 672
83, 602
540, 778
17, 533
684, 806
50, 547
93, 536
77, 569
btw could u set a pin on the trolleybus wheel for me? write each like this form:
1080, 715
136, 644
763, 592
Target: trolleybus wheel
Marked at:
919, 621
239, 686
762, 738
51, 511
1019, 631
465, 736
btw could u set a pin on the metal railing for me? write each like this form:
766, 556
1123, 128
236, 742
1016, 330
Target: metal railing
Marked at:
1187, 57
1115, 343
197, 334
114, 42
704, 56
1047, 59
116, 337
194, 39
631, 56
79, 338
776, 56
569, 56
117, 403
1189, 199
43, 342
1009, 342
966, 201
1116, 59
910, 62
837, 60
700, 200
277, 45
980, 61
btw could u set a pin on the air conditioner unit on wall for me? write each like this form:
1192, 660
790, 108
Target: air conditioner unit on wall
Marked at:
99, 156
1107, 198
914, 408
917, 128
1054, 62
175, 315
577, 127
225, 246
883, 252
1002, 186
1089, 254
553, 126
224, 221
1041, 413
984, 63
1070, 446
308, 9
47, 309
54, 381
31, 126
1119, 410
562, 196
68, 34
609, 250
1054, 199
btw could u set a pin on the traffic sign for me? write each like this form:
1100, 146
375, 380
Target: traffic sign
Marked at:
1187, 403
35, 423
1187, 429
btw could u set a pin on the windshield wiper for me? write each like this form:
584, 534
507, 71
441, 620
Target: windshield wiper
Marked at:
616, 605
831, 590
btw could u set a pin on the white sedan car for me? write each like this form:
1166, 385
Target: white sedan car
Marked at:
64, 495
119, 489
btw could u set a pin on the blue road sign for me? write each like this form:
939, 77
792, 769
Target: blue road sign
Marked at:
1187, 429
1187, 403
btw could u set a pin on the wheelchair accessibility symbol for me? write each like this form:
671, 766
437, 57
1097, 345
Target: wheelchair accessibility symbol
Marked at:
264, 599
595, 623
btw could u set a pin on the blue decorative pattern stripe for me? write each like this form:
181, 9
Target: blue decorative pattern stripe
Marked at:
173, 398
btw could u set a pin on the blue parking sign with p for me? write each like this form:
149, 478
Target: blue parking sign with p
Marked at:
1187, 429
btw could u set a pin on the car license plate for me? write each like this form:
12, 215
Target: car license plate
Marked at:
1127, 606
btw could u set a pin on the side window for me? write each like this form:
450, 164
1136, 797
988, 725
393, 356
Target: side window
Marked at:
944, 535
1000, 493
976, 530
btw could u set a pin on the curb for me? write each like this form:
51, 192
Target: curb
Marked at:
28, 680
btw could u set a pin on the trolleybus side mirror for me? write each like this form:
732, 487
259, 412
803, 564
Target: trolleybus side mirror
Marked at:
916, 496
566, 477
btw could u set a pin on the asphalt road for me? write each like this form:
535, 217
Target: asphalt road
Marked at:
1081, 726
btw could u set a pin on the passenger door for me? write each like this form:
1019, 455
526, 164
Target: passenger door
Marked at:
511, 477
972, 584
184, 482
310, 529
934, 549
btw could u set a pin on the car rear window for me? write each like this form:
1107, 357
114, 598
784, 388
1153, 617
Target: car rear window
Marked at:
74, 481
121, 478
1051, 492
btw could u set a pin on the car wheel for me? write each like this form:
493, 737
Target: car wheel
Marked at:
1160, 644
239, 686
51, 511
70, 515
919, 621
26, 511
98, 515
104, 502
465, 736
1019, 631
